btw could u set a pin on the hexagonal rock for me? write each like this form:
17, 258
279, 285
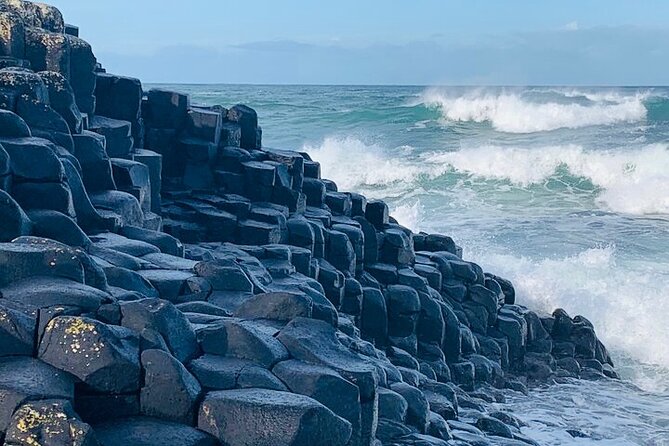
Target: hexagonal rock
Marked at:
418, 407
44, 292
223, 373
325, 386
170, 392
23, 379
15, 222
104, 357
254, 341
166, 319
17, 330
144, 431
48, 423
275, 306
255, 417
28, 260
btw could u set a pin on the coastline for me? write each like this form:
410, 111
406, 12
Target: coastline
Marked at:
208, 279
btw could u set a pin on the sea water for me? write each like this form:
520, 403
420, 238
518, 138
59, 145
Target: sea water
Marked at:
565, 191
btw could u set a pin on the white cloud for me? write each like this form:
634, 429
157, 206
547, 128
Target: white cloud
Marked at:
572, 26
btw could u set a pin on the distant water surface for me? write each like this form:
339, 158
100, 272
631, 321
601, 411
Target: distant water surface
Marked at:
563, 190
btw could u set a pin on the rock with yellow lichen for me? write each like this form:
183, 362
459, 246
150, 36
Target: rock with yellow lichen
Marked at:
48, 51
27, 379
48, 423
12, 35
62, 100
104, 357
36, 14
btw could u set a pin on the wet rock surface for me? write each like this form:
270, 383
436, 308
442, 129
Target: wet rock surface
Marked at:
167, 279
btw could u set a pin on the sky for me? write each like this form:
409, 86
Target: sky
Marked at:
422, 42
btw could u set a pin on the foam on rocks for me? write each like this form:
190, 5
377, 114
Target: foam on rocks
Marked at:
165, 277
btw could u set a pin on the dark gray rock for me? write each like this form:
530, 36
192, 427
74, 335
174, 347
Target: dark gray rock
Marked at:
493, 426
144, 431
15, 222
104, 357
418, 407
392, 405
48, 423
57, 226
438, 427
45, 292
374, 318
253, 341
272, 419
164, 318
247, 119
221, 373
224, 275
276, 306
170, 392
325, 386
23, 379
167, 109
12, 125
18, 325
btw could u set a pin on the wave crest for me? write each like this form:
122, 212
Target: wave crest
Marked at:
632, 182
511, 113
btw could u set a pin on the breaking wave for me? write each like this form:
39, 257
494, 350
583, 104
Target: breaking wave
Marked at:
631, 182
626, 181
514, 113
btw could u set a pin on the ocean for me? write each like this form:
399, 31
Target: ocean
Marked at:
565, 191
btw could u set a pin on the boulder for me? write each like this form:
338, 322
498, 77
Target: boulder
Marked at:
392, 405
164, 318
275, 306
23, 379
17, 329
167, 109
15, 222
24, 82
170, 392
62, 100
82, 78
118, 97
104, 357
271, 419
253, 341
165, 242
145, 431
316, 342
12, 125
247, 119
418, 409
57, 226
48, 423
42, 292
325, 386
221, 373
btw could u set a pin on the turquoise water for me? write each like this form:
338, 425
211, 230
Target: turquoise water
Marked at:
563, 190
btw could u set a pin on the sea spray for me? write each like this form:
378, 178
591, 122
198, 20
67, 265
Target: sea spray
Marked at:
510, 112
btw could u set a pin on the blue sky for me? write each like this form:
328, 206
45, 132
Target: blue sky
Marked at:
425, 42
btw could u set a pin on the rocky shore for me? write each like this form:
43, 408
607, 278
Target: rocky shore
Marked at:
165, 279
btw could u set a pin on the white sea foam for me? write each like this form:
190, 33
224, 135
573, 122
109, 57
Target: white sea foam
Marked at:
633, 182
409, 215
353, 164
511, 113
628, 304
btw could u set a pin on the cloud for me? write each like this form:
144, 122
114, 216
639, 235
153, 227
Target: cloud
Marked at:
593, 56
572, 26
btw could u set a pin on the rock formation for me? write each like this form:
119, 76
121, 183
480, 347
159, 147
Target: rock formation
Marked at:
166, 279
